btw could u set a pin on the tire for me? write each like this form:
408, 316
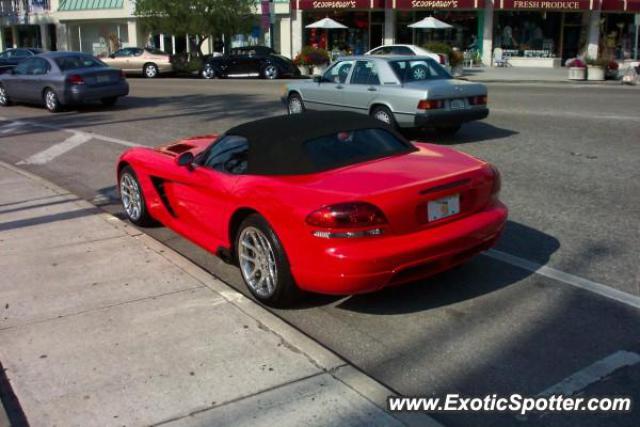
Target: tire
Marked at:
108, 102
448, 130
270, 72
263, 263
382, 113
208, 72
134, 207
150, 71
295, 104
51, 101
5, 101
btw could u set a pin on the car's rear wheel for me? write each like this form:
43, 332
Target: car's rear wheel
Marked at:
4, 97
270, 72
109, 101
383, 114
263, 263
150, 71
448, 130
132, 198
208, 72
295, 105
51, 101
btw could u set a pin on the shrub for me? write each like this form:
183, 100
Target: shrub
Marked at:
310, 55
184, 64
576, 63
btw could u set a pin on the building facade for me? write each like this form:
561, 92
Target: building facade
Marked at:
532, 32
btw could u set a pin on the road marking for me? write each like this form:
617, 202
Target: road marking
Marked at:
56, 150
566, 114
71, 130
9, 127
592, 373
570, 279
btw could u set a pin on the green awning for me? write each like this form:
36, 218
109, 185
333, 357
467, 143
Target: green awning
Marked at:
75, 5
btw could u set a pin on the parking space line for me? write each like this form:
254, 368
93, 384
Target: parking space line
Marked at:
56, 150
592, 373
570, 279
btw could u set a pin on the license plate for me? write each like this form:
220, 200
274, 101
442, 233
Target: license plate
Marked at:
457, 104
442, 208
103, 79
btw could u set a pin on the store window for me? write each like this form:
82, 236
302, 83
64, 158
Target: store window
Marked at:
353, 40
463, 35
99, 39
617, 35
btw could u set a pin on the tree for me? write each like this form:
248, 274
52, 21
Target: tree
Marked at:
200, 18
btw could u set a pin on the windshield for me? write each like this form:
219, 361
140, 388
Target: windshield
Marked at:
345, 148
78, 61
409, 70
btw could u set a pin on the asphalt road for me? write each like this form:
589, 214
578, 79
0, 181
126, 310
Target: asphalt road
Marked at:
569, 157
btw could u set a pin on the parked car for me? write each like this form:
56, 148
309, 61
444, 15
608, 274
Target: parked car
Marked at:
12, 57
405, 92
59, 79
409, 50
328, 202
134, 60
251, 61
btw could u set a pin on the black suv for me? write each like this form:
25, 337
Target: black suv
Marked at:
249, 61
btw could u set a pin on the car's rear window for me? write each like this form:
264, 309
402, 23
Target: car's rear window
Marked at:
78, 61
155, 51
409, 70
344, 148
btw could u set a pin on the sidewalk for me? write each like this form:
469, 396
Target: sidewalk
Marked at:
102, 325
526, 75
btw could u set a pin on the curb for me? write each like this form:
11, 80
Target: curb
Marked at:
319, 355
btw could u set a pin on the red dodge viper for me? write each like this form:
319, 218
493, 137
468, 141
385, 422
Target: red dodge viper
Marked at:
329, 202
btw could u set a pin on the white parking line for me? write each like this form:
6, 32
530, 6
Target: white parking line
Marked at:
592, 373
56, 150
570, 279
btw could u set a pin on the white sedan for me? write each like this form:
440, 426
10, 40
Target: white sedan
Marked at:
408, 49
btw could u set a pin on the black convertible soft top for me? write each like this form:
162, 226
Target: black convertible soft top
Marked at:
277, 144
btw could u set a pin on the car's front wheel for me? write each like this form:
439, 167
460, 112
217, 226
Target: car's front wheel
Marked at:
132, 198
51, 101
208, 72
263, 263
270, 72
150, 71
4, 97
295, 105
383, 114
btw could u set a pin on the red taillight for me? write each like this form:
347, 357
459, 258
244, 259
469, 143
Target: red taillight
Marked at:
75, 79
478, 100
347, 215
442, 59
430, 104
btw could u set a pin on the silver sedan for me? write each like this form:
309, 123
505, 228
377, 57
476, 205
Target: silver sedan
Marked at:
404, 91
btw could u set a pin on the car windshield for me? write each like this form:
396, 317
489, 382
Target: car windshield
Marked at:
410, 70
344, 148
78, 61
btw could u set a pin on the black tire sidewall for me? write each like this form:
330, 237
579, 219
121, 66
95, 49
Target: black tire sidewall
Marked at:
145, 218
286, 290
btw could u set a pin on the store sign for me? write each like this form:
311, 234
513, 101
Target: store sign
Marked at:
436, 4
338, 4
546, 5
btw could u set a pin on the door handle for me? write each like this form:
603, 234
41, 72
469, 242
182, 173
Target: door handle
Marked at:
372, 89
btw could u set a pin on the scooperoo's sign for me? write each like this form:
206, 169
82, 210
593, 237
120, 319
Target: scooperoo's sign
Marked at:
532, 4
334, 4
434, 4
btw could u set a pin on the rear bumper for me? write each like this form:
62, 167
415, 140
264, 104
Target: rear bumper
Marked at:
449, 118
164, 67
349, 267
81, 93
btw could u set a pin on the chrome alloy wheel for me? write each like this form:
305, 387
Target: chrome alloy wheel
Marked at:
419, 73
383, 116
257, 262
51, 100
150, 71
208, 72
4, 99
271, 72
130, 195
295, 105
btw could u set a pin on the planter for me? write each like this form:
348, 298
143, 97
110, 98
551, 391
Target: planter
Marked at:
577, 73
319, 70
304, 70
595, 73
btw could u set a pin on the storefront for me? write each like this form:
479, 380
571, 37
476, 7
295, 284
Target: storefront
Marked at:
541, 33
619, 29
98, 38
464, 15
364, 20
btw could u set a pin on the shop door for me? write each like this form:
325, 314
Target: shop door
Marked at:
377, 36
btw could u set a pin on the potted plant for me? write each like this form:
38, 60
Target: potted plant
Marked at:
456, 61
595, 68
312, 59
577, 69
302, 61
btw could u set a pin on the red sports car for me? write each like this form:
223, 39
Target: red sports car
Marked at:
329, 202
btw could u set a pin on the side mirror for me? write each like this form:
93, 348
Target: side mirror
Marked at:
317, 79
185, 159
